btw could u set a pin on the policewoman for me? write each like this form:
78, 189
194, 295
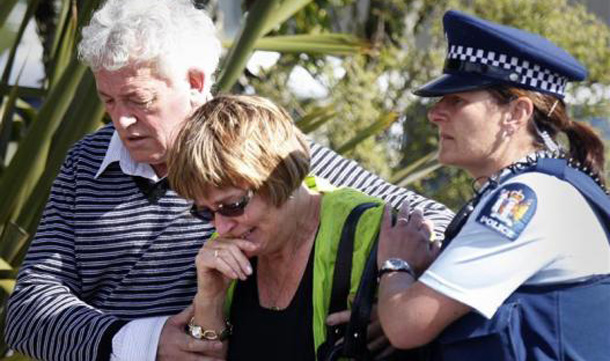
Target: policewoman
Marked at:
524, 273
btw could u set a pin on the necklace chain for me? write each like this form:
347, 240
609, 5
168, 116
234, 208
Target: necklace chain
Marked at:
530, 160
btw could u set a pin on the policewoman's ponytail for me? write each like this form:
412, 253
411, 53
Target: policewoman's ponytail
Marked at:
586, 147
550, 116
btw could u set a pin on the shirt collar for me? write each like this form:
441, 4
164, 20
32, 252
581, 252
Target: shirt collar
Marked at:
117, 152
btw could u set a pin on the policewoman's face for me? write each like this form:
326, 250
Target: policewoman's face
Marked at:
470, 132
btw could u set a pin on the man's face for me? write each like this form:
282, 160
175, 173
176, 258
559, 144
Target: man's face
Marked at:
146, 110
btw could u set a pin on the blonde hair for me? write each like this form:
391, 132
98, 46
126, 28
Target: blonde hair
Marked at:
241, 141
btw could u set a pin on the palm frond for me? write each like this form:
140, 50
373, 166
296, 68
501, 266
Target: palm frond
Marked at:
240, 51
378, 126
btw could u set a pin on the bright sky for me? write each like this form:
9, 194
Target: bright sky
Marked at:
28, 53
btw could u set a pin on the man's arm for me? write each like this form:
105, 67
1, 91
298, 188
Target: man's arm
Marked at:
161, 339
46, 318
343, 172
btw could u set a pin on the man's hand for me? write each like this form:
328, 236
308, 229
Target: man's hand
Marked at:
176, 344
377, 343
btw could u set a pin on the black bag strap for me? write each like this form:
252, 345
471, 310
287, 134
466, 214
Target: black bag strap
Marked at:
356, 332
342, 278
343, 265
458, 221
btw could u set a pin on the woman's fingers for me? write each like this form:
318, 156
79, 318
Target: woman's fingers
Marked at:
418, 224
405, 210
225, 264
429, 228
338, 318
386, 223
227, 256
416, 220
236, 260
409, 239
242, 244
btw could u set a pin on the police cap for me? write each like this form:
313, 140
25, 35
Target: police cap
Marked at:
482, 54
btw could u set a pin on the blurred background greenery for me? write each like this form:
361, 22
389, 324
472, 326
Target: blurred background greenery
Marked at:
344, 68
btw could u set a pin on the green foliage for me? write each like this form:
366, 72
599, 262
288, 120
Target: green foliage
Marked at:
327, 44
7, 37
5, 10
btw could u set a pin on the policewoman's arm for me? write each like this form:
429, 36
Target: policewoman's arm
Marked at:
488, 261
411, 313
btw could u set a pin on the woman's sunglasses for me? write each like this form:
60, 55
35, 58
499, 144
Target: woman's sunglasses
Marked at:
234, 209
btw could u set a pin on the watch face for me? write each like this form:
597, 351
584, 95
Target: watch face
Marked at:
394, 264
196, 332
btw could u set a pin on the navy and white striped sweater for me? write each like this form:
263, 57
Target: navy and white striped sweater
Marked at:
104, 254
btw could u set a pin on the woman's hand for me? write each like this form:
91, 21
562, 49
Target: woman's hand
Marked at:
218, 262
408, 239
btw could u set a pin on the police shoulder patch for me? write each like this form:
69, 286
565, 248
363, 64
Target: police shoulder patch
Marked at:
509, 210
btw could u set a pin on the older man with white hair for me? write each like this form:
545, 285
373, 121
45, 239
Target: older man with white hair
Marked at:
114, 254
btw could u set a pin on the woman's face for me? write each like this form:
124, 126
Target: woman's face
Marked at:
260, 222
470, 129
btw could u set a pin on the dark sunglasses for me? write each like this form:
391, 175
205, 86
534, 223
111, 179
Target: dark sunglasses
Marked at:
234, 209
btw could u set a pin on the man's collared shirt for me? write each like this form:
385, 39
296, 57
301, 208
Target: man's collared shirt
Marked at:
117, 152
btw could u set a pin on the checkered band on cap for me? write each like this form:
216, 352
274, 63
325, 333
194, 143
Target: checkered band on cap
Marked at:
517, 70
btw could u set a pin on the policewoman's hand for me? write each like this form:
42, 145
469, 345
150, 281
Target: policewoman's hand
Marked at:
409, 238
